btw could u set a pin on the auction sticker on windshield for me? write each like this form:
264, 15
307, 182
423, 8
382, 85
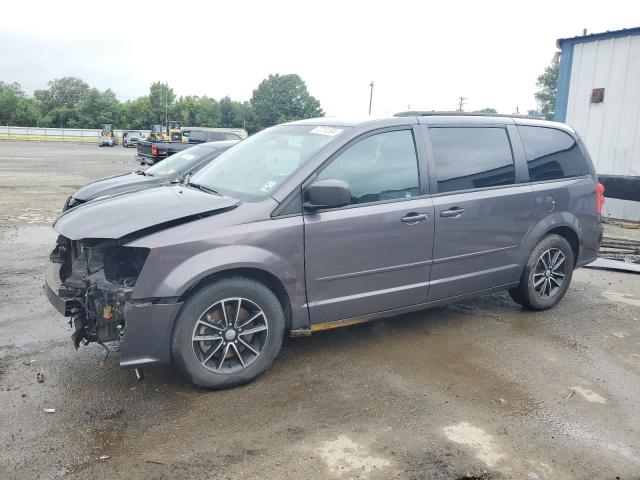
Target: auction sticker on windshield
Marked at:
328, 131
268, 186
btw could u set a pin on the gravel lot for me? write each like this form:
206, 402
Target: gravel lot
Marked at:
481, 389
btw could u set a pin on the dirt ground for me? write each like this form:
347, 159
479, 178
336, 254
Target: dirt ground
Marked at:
477, 390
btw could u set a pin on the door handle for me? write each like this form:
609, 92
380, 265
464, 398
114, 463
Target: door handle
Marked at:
454, 212
414, 217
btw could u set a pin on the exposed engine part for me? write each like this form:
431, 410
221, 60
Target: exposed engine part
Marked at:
100, 276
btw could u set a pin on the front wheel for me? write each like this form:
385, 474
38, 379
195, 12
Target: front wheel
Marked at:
547, 274
228, 333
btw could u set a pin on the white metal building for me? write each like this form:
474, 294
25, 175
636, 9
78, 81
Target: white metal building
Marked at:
599, 96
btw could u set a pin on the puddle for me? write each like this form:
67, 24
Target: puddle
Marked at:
483, 445
343, 456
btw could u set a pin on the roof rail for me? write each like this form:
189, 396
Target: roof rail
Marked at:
424, 113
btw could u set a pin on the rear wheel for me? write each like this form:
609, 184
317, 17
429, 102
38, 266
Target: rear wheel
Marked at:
547, 274
228, 333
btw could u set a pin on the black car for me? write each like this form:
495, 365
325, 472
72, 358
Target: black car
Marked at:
169, 170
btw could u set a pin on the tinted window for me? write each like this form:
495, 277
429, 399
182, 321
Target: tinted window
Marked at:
379, 167
551, 154
472, 158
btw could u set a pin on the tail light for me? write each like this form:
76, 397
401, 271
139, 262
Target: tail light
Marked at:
154, 150
599, 197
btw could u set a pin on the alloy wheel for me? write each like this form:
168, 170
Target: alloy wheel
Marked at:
230, 335
549, 273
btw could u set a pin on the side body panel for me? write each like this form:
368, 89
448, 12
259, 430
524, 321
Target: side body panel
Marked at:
363, 260
480, 248
237, 239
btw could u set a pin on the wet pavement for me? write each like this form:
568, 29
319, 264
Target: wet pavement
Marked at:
480, 389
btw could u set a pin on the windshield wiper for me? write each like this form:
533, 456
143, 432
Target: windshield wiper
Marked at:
203, 188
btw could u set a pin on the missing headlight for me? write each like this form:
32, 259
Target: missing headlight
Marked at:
123, 265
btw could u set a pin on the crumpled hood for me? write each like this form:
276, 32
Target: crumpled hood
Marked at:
120, 215
116, 184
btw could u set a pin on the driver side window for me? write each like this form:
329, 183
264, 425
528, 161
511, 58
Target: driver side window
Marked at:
380, 167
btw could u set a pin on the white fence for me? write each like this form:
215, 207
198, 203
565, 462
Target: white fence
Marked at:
56, 134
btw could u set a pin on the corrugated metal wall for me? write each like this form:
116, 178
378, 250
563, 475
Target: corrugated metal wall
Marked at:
610, 129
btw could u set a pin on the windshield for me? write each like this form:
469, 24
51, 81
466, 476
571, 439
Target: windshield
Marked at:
181, 162
255, 167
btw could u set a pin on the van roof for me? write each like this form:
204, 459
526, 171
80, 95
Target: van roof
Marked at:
433, 118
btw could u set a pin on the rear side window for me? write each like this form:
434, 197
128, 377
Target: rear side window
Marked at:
551, 154
379, 167
468, 158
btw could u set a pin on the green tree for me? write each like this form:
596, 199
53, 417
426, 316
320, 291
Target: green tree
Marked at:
185, 109
230, 113
27, 113
96, 109
487, 110
15, 107
547, 84
282, 98
136, 114
161, 98
66, 92
207, 113
59, 117
249, 118
10, 95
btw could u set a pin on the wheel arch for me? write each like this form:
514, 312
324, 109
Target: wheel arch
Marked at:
268, 279
571, 236
564, 224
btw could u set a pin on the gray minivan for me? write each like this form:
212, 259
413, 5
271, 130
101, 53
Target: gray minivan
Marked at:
323, 223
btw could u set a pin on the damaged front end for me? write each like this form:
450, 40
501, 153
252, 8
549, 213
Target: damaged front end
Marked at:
90, 280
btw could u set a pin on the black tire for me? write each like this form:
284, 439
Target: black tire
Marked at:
184, 349
530, 293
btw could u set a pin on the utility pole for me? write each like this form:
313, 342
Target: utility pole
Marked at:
461, 103
166, 107
370, 96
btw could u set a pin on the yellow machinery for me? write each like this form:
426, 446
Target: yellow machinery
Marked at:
108, 131
158, 132
172, 132
175, 131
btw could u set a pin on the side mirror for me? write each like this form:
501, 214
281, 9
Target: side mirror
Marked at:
327, 194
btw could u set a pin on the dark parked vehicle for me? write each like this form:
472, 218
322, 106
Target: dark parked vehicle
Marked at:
152, 151
323, 223
171, 169
131, 139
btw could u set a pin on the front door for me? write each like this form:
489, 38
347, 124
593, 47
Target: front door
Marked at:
481, 214
374, 254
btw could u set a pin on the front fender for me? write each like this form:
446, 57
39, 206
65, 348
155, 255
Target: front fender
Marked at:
179, 277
